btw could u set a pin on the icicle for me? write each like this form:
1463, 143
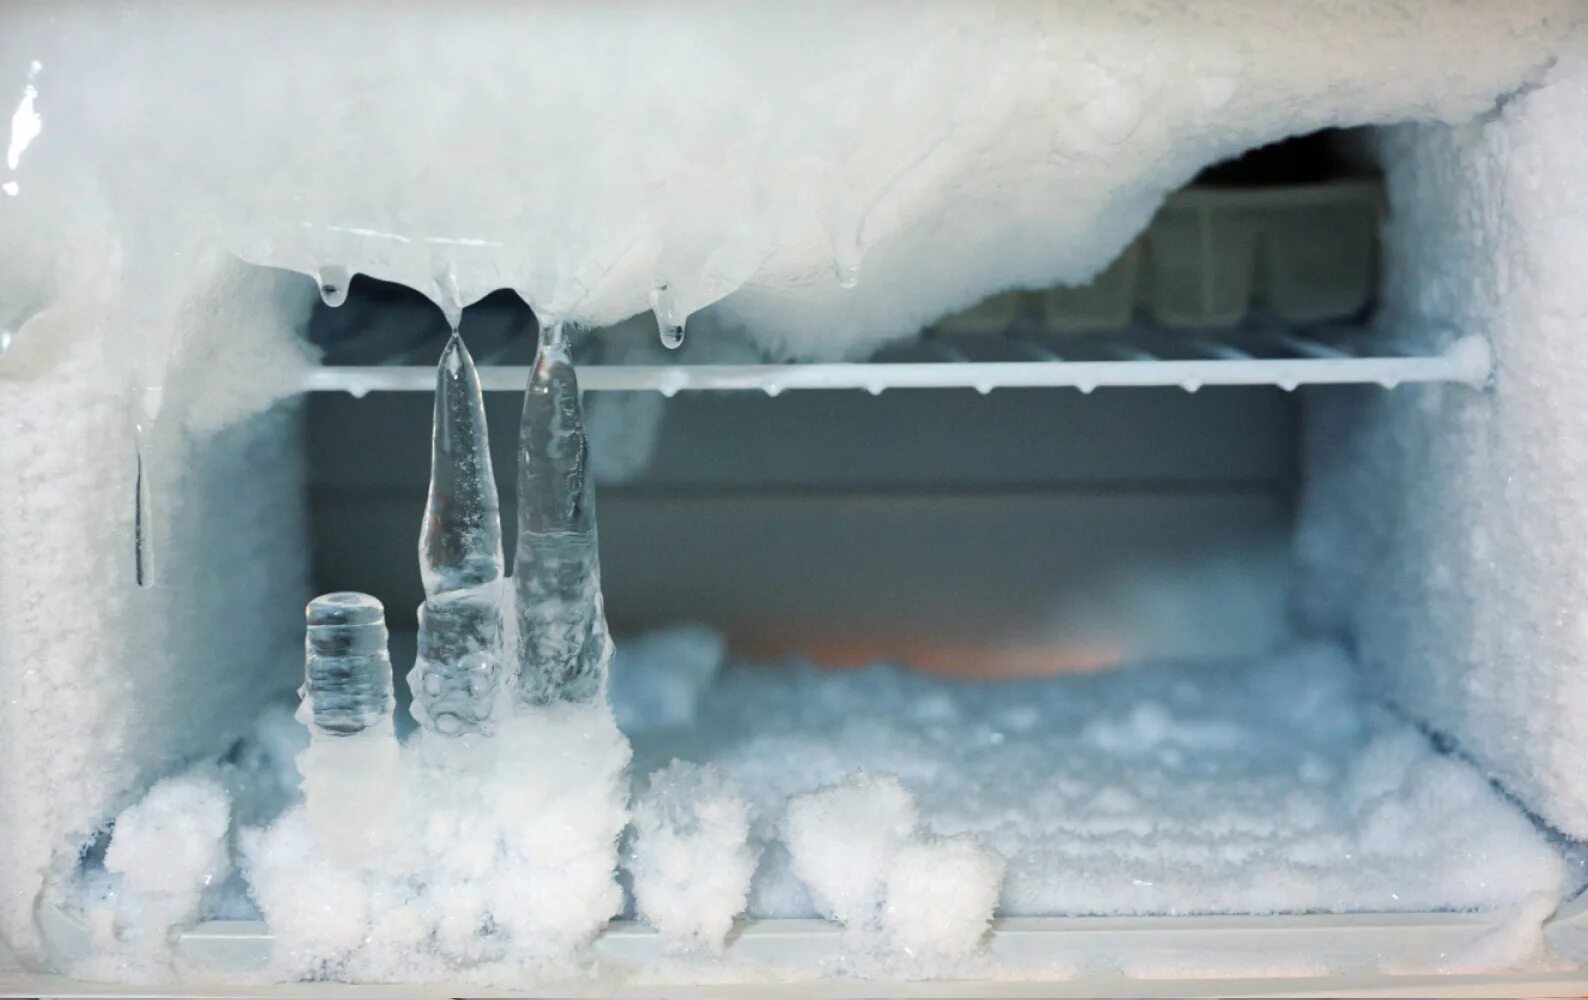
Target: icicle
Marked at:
670, 319
449, 296
458, 670
563, 646
334, 281
460, 541
142, 499
846, 256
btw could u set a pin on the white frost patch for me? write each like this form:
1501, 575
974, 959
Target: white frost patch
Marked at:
857, 845
690, 858
174, 841
843, 840
1270, 785
165, 851
941, 895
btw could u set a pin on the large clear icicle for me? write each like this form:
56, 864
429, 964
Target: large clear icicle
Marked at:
563, 646
347, 685
460, 542
458, 670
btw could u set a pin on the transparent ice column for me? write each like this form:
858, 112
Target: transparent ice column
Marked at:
350, 787
457, 673
347, 685
563, 647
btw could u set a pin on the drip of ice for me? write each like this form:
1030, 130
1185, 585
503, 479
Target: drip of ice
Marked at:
142, 512
460, 542
563, 646
449, 296
347, 685
846, 254
334, 281
142, 498
670, 319
458, 670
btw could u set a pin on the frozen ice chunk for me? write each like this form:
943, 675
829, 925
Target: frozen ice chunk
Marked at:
843, 840
460, 543
457, 673
940, 897
563, 646
690, 856
347, 685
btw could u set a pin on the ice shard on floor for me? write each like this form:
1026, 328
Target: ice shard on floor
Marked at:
563, 646
458, 670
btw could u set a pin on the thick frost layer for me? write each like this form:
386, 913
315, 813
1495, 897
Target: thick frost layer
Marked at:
941, 894
858, 847
1444, 529
843, 839
496, 859
164, 853
1263, 786
835, 174
689, 856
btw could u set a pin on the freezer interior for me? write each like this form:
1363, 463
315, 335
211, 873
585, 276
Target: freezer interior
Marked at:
1109, 520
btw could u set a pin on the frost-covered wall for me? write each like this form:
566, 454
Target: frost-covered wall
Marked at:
103, 684
1447, 531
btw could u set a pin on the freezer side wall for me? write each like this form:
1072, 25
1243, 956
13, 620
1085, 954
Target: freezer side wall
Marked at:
105, 686
1446, 531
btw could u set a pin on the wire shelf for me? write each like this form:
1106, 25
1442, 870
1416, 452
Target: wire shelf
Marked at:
1261, 356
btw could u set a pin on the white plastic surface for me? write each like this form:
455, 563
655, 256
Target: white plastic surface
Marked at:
1394, 954
1465, 361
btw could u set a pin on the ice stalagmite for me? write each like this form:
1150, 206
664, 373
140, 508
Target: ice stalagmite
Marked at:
563, 647
347, 673
458, 670
349, 768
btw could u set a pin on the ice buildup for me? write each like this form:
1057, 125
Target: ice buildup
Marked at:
351, 786
458, 671
460, 542
563, 645
690, 856
347, 673
861, 849
457, 674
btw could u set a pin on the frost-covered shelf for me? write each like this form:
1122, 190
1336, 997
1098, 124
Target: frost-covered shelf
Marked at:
1257, 356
